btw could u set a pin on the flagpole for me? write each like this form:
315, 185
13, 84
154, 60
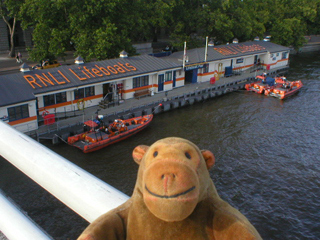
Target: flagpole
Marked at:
184, 54
206, 50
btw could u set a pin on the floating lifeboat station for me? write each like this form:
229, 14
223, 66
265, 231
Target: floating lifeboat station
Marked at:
29, 97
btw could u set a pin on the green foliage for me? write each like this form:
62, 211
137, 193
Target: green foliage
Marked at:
9, 9
289, 32
100, 29
51, 35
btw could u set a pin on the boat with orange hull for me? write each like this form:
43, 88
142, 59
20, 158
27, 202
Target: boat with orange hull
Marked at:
284, 89
100, 136
261, 84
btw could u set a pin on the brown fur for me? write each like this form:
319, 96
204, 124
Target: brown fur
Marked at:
174, 198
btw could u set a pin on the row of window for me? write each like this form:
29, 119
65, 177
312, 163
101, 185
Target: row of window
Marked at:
168, 76
83, 92
19, 112
144, 80
284, 55
62, 97
140, 81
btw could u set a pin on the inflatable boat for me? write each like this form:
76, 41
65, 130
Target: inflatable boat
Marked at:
284, 89
261, 84
95, 137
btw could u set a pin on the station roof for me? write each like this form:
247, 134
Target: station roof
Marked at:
221, 52
24, 86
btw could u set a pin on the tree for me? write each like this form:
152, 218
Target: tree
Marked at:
289, 32
101, 28
188, 23
159, 14
51, 35
98, 29
10, 9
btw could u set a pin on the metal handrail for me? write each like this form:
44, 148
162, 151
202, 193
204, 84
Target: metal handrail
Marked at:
81, 191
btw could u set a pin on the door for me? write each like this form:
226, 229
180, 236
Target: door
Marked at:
194, 75
191, 76
160, 82
174, 79
255, 59
188, 76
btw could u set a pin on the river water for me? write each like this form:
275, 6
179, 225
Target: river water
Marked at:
267, 159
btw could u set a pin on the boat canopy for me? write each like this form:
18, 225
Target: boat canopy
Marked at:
270, 81
91, 124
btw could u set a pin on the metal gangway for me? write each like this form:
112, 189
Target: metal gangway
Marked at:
87, 195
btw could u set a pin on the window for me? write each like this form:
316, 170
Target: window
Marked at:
54, 98
140, 81
79, 93
89, 91
168, 76
61, 97
48, 100
284, 55
206, 68
84, 92
239, 60
19, 112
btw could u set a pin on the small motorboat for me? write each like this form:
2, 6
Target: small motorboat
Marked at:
95, 137
261, 84
284, 88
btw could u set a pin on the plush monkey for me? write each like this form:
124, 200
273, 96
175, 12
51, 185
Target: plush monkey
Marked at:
174, 198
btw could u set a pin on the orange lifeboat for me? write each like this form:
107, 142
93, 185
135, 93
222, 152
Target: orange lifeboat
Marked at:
285, 88
99, 137
262, 84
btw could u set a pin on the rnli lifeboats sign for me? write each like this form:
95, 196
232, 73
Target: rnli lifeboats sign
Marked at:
82, 73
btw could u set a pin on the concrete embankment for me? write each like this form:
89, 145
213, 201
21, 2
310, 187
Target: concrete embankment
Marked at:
312, 45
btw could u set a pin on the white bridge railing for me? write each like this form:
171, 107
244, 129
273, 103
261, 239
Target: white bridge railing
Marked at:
86, 194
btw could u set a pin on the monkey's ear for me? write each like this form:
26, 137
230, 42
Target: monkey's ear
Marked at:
138, 153
209, 158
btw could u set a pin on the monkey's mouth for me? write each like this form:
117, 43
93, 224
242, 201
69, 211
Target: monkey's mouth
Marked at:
172, 196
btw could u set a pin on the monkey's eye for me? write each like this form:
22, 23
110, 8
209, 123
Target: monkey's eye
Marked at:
155, 153
187, 155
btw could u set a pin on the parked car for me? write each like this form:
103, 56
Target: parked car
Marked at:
169, 49
47, 64
267, 38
